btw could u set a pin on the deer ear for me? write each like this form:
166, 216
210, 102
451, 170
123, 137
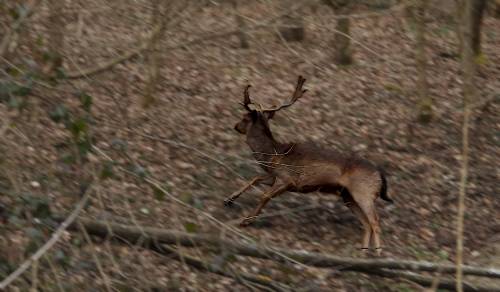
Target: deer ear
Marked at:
270, 114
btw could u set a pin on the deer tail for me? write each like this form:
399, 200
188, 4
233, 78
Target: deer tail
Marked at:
383, 188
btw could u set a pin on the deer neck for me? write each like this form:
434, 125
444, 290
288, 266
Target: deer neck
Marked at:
263, 145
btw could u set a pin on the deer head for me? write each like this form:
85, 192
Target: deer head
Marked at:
259, 116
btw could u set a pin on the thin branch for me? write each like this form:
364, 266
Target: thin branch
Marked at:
104, 276
468, 91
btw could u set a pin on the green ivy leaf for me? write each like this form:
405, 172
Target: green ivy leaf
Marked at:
119, 144
60, 73
35, 240
42, 209
5, 90
106, 171
23, 90
158, 193
61, 258
86, 101
59, 113
140, 171
38, 206
84, 145
15, 103
198, 204
191, 227
68, 159
78, 127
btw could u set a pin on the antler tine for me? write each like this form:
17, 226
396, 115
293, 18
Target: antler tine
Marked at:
298, 89
246, 98
296, 95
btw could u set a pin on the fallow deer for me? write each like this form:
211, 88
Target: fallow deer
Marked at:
307, 167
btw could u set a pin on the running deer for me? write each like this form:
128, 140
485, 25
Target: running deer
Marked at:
306, 167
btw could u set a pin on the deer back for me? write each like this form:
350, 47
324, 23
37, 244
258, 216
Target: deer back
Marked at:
312, 168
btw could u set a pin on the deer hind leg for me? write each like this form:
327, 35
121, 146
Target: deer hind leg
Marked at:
366, 224
229, 200
368, 208
275, 191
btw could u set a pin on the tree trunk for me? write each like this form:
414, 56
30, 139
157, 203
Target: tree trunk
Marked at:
475, 21
342, 42
292, 29
425, 100
341, 39
460, 25
478, 7
153, 56
56, 34
242, 36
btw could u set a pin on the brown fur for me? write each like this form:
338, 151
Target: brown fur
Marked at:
307, 167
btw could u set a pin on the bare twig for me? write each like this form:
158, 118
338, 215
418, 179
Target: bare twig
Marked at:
105, 277
54, 271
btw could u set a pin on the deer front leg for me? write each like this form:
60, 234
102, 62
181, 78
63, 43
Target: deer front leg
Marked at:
229, 200
275, 191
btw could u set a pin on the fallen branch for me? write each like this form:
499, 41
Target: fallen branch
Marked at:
428, 281
132, 234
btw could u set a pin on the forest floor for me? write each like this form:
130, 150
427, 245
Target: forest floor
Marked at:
187, 142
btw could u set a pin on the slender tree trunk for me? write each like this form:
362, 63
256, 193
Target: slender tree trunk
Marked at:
478, 7
292, 29
460, 25
468, 91
341, 39
342, 42
496, 8
476, 15
292, 26
56, 34
242, 36
425, 100
153, 56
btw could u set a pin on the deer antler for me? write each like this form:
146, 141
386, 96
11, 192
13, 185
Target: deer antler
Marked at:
296, 95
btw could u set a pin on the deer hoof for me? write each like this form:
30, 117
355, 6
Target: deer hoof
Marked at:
228, 202
378, 251
247, 221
